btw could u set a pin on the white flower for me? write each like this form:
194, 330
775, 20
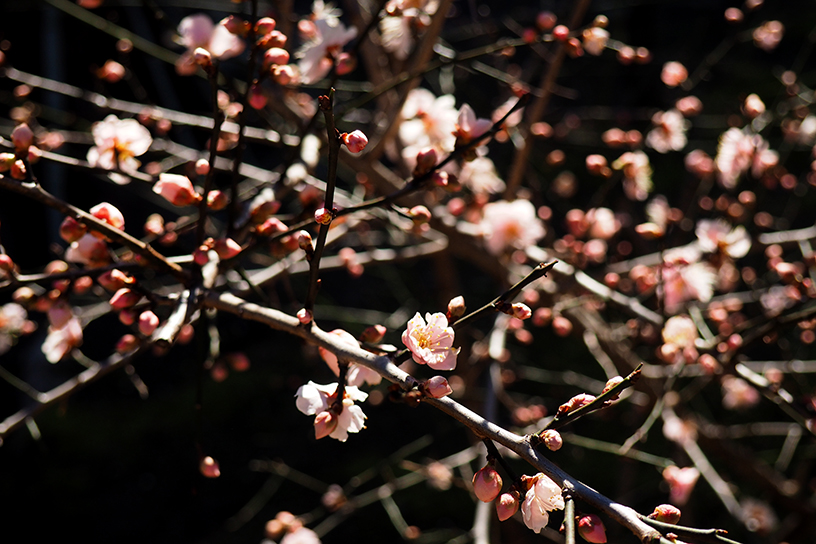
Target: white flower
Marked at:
316, 56
118, 141
543, 496
680, 331
313, 399
12, 320
480, 176
510, 224
301, 535
432, 343
637, 174
719, 236
199, 31
738, 151
669, 133
60, 342
428, 122
400, 20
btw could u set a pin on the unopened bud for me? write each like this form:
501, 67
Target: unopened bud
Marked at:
324, 424
613, 382
487, 484
72, 230
124, 298
521, 311
126, 344
323, 216
264, 26
22, 137
425, 161
552, 439
227, 248
355, 142
420, 215
438, 387
202, 167
275, 57
506, 506
373, 334
456, 307
203, 58
666, 513
209, 468
304, 316
217, 200
592, 529
346, 63
148, 322
304, 240
6, 263
753, 106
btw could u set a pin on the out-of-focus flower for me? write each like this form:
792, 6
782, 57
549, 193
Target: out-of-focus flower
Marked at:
542, 497
109, 214
176, 189
510, 224
737, 152
480, 176
301, 535
198, 31
468, 127
118, 141
402, 18
592, 529
327, 41
314, 399
356, 375
681, 482
12, 325
768, 35
209, 468
431, 343
602, 223
595, 40
669, 132
758, 516
428, 122
88, 250
738, 394
487, 484
718, 235
673, 74
60, 341
685, 278
753, 106
679, 334
637, 174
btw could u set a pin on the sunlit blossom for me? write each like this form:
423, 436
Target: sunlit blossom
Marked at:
718, 235
428, 123
330, 35
669, 133
402, 18
431, 342
117, 142
301, 535
198, 31
314, 399
738, 151
685, 278
542, 497
738, 394
479, 175
637, 174
12, 323
60, 341
510, 224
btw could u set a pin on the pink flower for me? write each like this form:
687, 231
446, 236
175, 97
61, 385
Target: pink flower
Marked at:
510, 224
432, 343
355, 142
118, 141
88, 250
768, 36
402, 19
176, 189
637, 174
592, 529
738, 394
468, 127
542, 497
552, 439
301, 535
109, 214
429, 123
209, 468
329, 37
681, 482
719, 236
437, 387
60, 341
22, 137
669, 133
312, 399
673, 74
479, 175
679, 335
602, 223
737, 152
199, 31
148, 322
684, 278
124, 298
12, 325
506, 506
487, 484
357, 375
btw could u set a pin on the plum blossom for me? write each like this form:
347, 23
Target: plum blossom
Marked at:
685, 278
595, 40
198, 31
637, 174
602, 223
88, 250
738, 394
315, 399
301, 535
737, 152
330, 35
429, 122
12, 324
356, 375
431, 343
510, 224
401, 18
60, 341
679, 335
542, 497
487, 484
719, 236
669, 133
681, 482
480, 176
468, 127
118, 141
176, 189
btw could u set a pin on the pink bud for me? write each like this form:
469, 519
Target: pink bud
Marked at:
666, 513
202, 57
425, 161
227, 248
304, 316
561, 33
323, 216
561, 326
124, 298
284, 74
552, 439
257, 97
373, 334
176, 189
59, 315
114, 280
127, 317
201, 255
236, 25
438, 387
596, 164
521, 311
209, 468
18, 170
420, 214
22, 137
72, 230
440, 179
111, 71
275, 57
109, 214
355, 142
202, 167
753, 106
217, 200
307, 29
324, 424
276, 38
673, 74
346, 63
148, 322
592, 529
126, 344
265, 25
546, 20
487, 484
506, 506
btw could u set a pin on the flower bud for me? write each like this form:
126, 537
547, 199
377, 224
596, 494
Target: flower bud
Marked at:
124, 298
127, 317
592, 529
202, 167
304, 240
425, 161
304, 316
456, 307
217, 200
438, 387
22, 137
673, 74
373, 334
561, 325
72, 230
545, 20
275, 57
420, 215
109, 214
148, 322
209, 468
613, 382
487, 484
552, 439
236, 25
126, 344
575, 402
203, 58
284, 74
753, 106
440, 179
506, 506
114, 280
521, 311
264, 26
176, 189
596, 164
324, 424
227, 248
666, 513
346, 63
355, 142
561, 33
323, 216
18, 170
257, 97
